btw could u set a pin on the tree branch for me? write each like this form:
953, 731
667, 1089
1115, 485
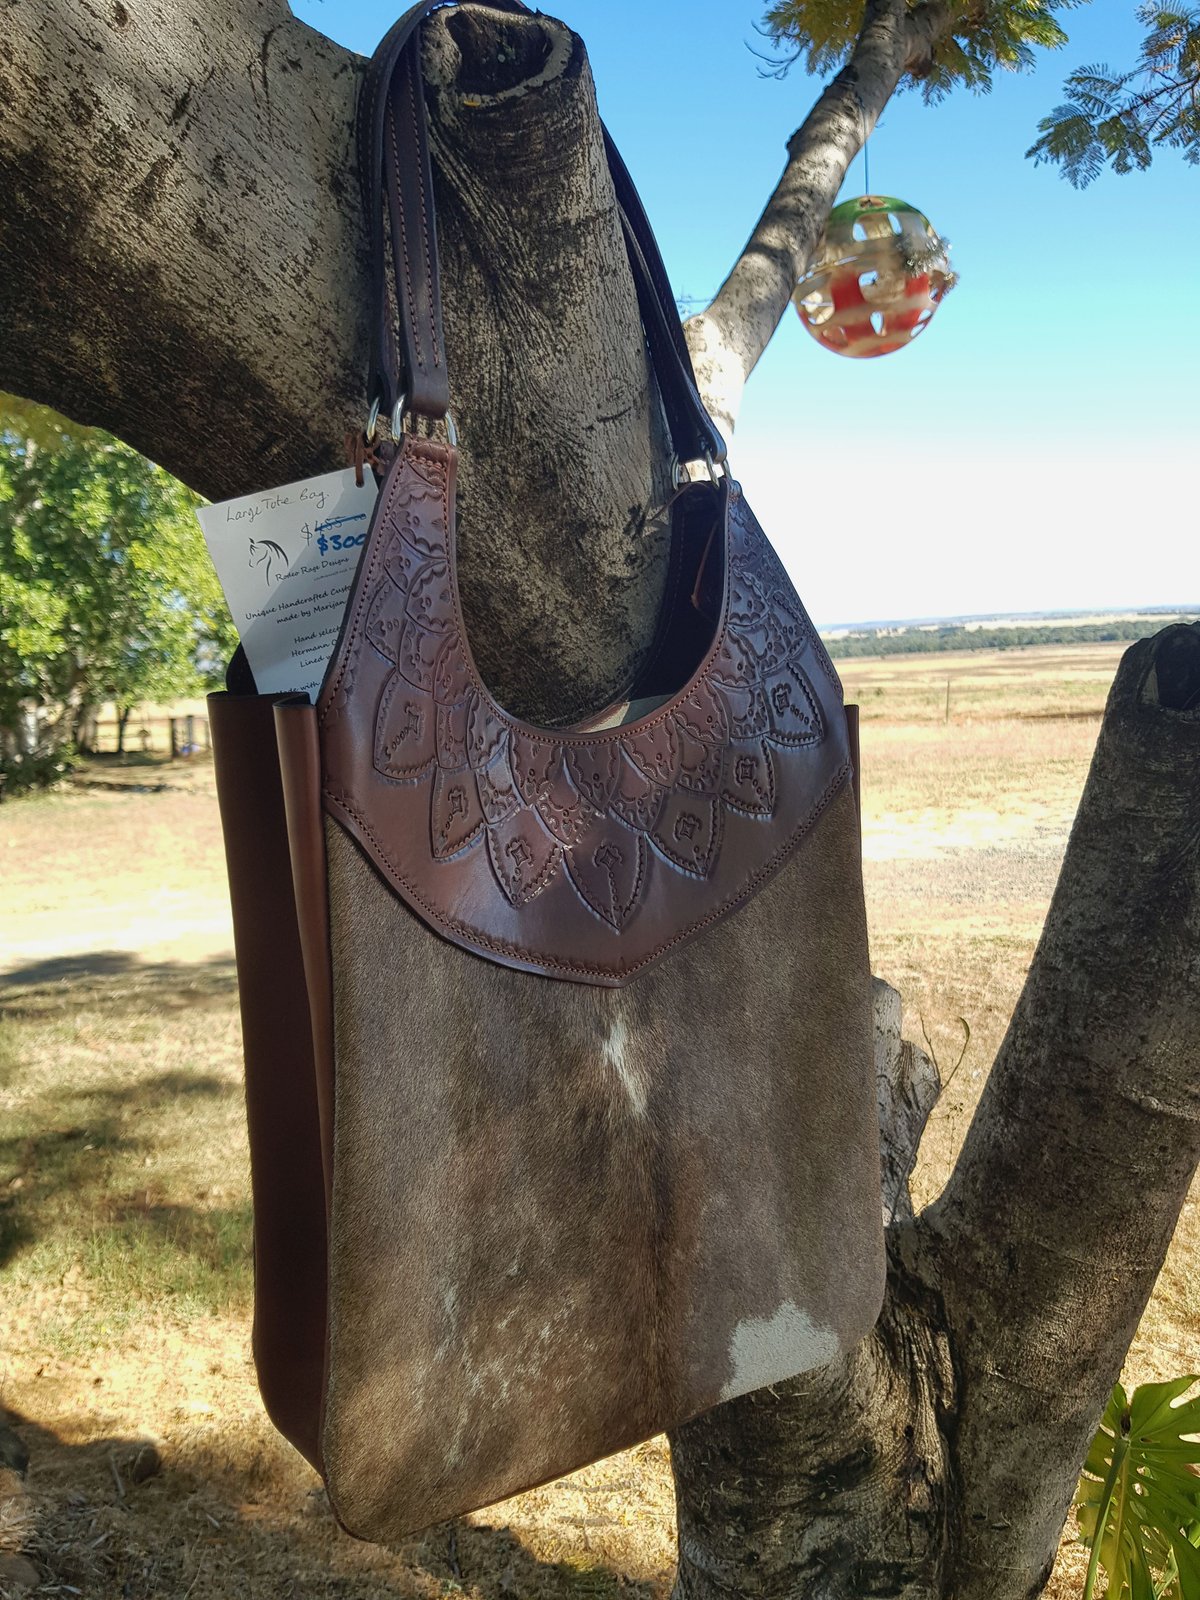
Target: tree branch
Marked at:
728, 338
179, 243
183, 262
1054, 1225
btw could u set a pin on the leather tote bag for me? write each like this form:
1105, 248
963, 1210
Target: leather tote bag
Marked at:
558, 1040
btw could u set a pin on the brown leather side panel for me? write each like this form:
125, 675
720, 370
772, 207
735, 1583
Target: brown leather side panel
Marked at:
852, 733
300, 772
290, 1246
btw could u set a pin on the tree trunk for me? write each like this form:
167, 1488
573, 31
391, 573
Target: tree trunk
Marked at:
182, 261
82, 721
727, 339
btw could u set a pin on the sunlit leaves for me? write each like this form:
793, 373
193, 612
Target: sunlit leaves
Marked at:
1120, 119
1138, 1500
980, 38
1117, 117
106, 590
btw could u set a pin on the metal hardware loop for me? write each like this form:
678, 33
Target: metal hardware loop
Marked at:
396, 421
679, 477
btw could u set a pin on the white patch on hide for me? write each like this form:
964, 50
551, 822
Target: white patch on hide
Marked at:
617, 1055
765, 1349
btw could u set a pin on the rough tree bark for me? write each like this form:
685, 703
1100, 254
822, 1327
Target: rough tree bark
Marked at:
182, 261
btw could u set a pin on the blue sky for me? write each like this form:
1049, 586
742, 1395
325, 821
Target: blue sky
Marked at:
1031, 450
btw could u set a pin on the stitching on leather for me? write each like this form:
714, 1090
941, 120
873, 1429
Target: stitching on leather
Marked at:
623, 906
470, 937
467, 843
366, 591
767, 794
547, 875
418, 89
436, 454
404, 775
690, 866
429, 461
418, 356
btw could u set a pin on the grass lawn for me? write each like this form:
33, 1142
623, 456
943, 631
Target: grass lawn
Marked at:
124, 1212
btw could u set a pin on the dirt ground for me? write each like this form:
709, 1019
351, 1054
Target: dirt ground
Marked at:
124, 1210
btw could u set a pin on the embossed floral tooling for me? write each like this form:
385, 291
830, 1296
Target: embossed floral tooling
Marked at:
606, 812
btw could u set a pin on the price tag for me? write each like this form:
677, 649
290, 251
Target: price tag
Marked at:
286, 559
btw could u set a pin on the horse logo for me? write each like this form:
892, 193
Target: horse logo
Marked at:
269, 555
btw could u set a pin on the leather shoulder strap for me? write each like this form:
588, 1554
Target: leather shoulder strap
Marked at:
394, 167
693, 433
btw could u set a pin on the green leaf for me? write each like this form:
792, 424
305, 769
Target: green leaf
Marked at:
1123, 118
1138, 1501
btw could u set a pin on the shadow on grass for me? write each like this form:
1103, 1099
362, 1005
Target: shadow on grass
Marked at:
113, 980
129, 1247
56, 1180
71, 1157
141, 771
117, 761
41, 1169
207, 1526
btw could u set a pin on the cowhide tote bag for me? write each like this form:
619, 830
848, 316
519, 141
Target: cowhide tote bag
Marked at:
558, 1040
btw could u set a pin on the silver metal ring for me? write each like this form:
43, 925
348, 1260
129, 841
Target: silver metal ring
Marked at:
679, 477
397, 421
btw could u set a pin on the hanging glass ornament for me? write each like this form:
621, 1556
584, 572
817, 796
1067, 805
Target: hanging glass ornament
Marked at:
880, 274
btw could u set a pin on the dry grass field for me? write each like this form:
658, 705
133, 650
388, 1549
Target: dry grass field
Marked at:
124, 1257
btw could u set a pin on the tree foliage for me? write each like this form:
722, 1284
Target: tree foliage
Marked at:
1112, 116
106, 590
1122, 118
979, 40
958, 636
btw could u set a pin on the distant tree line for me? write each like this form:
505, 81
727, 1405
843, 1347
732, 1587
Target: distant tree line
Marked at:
923, 641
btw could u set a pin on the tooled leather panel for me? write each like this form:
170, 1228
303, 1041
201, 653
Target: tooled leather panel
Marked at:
577, 855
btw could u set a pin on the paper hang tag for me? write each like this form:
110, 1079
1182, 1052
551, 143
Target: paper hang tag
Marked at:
286, 559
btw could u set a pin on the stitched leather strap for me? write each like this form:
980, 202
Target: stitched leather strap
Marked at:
394, 164
692, 431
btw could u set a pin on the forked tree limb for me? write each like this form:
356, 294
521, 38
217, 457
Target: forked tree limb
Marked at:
180, 254
938, 1461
